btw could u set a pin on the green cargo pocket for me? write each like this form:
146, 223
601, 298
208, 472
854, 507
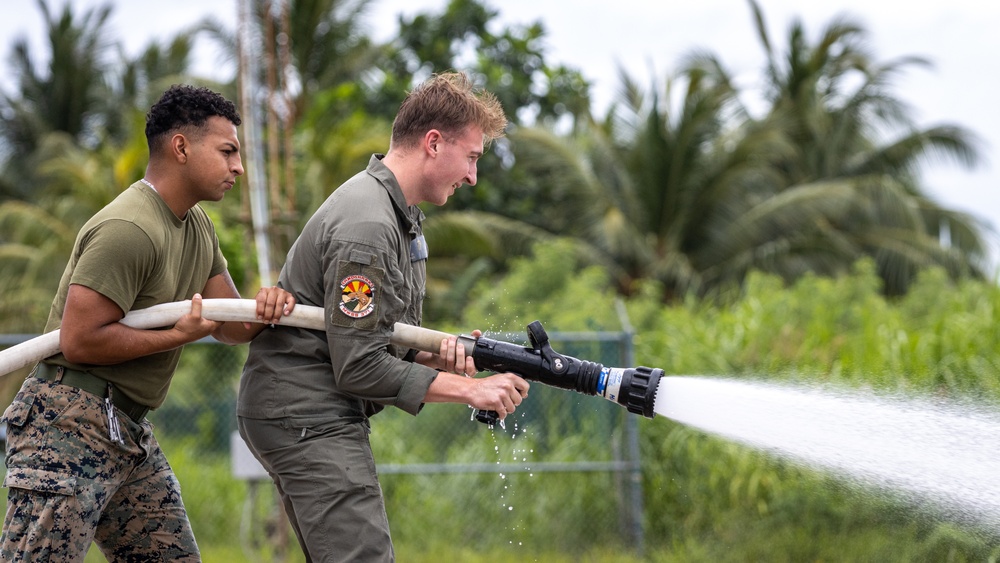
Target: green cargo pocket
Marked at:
40, 480
19, 411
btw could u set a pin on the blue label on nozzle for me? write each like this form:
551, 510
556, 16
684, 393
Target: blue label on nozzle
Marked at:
612, 378
603, 382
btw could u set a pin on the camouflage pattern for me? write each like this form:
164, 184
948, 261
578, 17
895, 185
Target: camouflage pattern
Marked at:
70, 485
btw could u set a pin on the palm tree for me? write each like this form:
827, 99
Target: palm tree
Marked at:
311, 46
73, 140
686, 166
32, 258
469, 247
834, 103
697, 193
67, 97
313, 56
38, 236
141, 81
647, 191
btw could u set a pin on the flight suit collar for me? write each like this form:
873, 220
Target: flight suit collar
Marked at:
411, 215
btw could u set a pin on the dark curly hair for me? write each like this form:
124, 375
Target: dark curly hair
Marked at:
186, 106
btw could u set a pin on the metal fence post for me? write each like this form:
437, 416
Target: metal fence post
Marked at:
636, 509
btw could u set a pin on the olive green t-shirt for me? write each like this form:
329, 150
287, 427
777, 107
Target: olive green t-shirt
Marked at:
137, 253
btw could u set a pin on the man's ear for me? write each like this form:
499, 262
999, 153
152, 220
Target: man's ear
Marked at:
432, 141
179, 147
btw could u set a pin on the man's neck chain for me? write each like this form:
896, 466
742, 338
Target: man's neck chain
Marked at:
148, 183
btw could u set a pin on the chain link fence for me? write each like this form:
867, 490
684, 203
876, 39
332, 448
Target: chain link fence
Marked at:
561, 475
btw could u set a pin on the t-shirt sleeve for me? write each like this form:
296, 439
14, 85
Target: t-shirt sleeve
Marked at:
116, 257
219, 263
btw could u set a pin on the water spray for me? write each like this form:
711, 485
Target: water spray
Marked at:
633, 388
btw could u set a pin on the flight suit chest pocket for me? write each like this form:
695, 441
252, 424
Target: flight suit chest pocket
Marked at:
360, 291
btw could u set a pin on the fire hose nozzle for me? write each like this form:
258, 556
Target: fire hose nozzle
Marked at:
633, 388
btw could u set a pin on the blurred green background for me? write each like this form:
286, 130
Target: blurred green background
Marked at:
795, 242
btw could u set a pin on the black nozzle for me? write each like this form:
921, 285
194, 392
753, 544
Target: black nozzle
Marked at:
633, 388
638, 390
491, 418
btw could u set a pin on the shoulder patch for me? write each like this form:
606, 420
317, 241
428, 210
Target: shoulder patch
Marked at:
357, 297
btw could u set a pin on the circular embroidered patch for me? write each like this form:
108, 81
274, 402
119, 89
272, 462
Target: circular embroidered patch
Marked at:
357, 297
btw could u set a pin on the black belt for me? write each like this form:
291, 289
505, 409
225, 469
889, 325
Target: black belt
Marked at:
93, 385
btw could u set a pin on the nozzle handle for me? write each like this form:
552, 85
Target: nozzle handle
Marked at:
491, 418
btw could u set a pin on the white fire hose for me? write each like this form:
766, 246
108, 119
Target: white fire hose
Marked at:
236, 310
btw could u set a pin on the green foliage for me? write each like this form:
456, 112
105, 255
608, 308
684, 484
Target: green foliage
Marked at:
339, 142
712, 500
940, 338
548, 286
717, 497
501, 497
680, 185
202, 396
207, 477
674, 198
705, 499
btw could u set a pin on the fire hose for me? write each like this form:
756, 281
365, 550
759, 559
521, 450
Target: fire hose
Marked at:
632, 388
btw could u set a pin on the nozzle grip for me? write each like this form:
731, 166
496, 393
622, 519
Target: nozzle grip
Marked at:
491, 418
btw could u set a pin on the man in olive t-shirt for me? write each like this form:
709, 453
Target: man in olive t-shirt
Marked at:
82, 462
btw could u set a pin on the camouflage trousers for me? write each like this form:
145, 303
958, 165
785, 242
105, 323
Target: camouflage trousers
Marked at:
70, 484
